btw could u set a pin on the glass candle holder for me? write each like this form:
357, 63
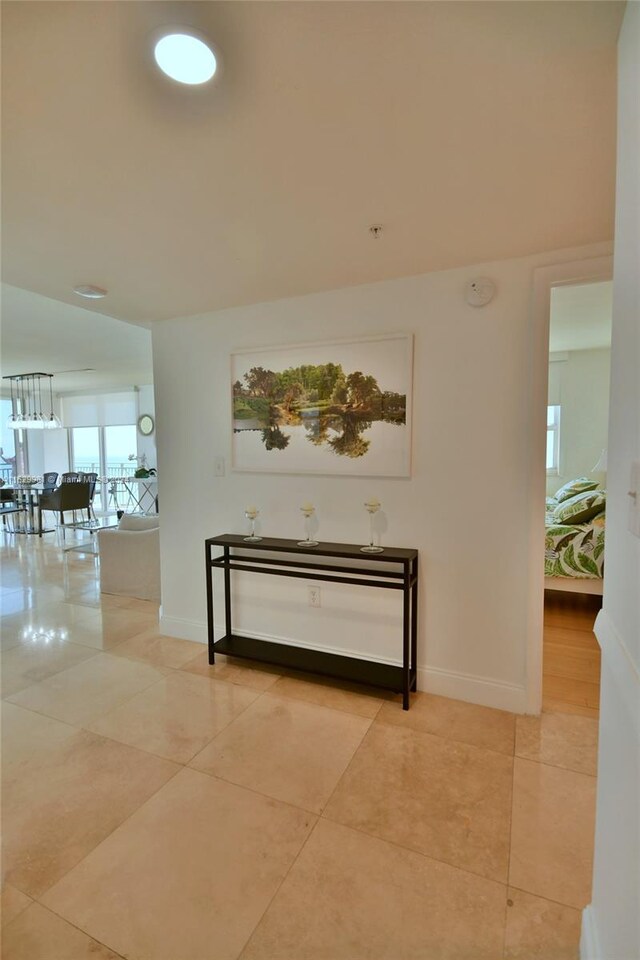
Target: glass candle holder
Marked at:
372, 506
251, 513
307, 510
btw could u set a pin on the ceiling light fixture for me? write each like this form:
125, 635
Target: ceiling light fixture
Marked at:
26, 403
185, 58
89, 291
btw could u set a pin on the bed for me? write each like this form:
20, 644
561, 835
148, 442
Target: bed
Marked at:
574, 551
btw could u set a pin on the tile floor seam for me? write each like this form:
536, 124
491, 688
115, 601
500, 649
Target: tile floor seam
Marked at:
103, 839
441, 736
132, 746
33, 683
555, 766
77, 726
321, 706
541, 896
232, 720
344, 772
279, 887
258, 793
12, 883
413, 850
506, 915
236, 683
80, 726
70, 923
504, 924
158, 756
535, 893
350, 713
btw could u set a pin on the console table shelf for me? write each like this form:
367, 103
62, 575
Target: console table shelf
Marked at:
393, 569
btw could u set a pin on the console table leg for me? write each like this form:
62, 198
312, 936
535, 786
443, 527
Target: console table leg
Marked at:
405, 637
414, 625
227, 593
209, 578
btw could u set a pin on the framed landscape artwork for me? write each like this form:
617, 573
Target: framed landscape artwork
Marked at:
342, 407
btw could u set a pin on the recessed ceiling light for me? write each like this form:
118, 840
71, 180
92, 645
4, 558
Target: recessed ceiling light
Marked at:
185, 58
89, 291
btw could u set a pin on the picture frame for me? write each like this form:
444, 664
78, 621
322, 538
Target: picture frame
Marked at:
335, 407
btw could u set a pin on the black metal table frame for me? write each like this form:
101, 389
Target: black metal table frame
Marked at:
327, 567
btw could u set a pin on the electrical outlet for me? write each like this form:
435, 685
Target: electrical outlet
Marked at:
218, 466
314, 596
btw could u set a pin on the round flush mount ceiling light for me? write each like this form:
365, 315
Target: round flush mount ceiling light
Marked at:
185, 58
89, 291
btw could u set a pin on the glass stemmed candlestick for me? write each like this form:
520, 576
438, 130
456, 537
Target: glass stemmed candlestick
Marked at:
308, 511
251, 513
372, 506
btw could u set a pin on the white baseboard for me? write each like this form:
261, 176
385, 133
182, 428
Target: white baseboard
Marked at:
445, 683
183, 629
481, 690
589, 944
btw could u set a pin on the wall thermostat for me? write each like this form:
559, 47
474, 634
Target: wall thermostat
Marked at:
480, 292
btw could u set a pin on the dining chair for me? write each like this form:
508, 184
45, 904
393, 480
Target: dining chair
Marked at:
91, 479
10, 506
68, 496
49, 481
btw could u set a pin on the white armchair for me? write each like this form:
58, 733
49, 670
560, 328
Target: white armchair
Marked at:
130, 558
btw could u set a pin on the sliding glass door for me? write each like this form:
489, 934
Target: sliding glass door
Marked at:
105, 451
119, 445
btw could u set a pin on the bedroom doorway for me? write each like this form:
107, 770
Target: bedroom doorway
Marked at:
576, 462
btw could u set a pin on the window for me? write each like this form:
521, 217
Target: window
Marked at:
13, 459
105, 451
119, 444
553, 439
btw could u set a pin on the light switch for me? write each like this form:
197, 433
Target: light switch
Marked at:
634, 496
218, 466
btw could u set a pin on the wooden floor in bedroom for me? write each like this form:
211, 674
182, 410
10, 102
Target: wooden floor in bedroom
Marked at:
571, 655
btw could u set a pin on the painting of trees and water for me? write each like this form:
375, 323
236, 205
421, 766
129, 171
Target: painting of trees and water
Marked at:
325, 408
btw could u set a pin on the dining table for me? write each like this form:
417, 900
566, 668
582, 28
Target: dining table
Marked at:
28, 495
141, 493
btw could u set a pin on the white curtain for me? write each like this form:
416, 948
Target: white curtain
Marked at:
100, 410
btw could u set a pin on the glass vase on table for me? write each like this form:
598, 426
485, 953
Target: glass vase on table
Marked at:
251, 513
308, 511
372, 506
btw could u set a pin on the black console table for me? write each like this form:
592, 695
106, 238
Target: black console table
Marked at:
335, 562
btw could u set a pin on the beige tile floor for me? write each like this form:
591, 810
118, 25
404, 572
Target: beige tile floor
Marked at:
156, 808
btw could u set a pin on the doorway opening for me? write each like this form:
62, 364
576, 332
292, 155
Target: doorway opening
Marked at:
575, 521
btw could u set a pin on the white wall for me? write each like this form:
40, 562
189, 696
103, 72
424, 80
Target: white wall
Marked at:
464, 507
48, 449
611, 924
146, 404
583, 390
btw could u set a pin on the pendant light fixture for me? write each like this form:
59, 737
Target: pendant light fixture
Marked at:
26, 403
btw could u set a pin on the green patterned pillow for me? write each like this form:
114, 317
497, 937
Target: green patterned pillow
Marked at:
570, 489
581, 508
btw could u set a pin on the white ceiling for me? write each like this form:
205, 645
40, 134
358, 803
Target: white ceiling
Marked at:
39, 334
581, 316
472, 131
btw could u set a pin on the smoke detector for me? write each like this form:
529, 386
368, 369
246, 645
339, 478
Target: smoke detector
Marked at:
480, 292
89, 291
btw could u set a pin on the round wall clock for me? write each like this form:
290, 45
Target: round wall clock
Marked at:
146, 425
